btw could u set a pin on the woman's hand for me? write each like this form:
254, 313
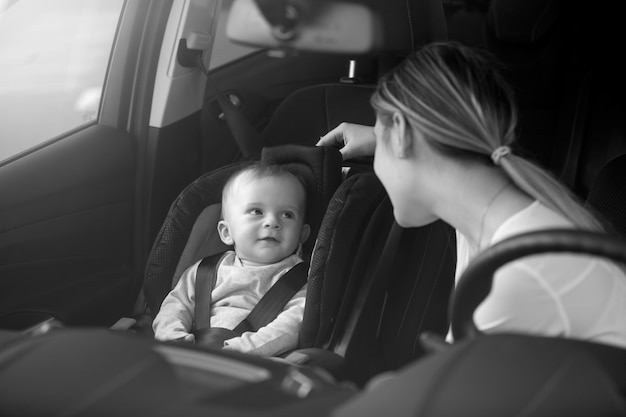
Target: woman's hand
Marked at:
353, 139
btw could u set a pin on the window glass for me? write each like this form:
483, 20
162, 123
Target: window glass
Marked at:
225, 51
53, 61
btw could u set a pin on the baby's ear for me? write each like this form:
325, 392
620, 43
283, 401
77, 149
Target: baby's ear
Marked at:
304, 234
224, 231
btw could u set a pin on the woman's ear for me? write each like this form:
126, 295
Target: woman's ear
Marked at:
224, 231
401, 142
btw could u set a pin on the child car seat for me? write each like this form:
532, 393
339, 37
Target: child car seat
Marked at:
189, 232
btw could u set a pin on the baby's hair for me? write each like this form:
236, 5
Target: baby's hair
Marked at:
262, 170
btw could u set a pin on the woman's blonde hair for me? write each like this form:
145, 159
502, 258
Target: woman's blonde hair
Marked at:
455, 96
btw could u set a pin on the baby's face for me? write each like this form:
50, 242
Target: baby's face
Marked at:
264, 219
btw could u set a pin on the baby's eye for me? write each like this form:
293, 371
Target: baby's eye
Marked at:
288, 215
255, 212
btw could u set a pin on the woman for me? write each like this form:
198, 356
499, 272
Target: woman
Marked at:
443, 149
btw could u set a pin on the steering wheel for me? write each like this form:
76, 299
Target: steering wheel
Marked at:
476, 281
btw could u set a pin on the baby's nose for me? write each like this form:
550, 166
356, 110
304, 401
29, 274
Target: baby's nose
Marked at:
271, 222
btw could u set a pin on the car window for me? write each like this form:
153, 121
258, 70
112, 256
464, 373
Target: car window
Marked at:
53, 61
225, 51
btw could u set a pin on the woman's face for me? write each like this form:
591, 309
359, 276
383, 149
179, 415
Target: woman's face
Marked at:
401, 178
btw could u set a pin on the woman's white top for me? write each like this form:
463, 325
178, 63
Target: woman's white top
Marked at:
568, 295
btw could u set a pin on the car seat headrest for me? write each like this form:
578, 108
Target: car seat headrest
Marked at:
521, 22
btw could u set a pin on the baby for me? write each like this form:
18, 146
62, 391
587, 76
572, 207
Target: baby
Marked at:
263, 209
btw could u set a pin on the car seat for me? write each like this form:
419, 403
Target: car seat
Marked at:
189, 232
382, 285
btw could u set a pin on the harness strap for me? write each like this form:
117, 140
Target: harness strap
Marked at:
205, 282
263, 313
275, 299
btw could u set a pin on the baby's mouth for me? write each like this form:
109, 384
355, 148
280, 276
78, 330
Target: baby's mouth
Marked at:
269, 239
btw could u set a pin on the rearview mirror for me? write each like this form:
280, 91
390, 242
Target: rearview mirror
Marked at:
319, 26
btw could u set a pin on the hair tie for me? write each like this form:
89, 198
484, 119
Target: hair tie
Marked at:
499, 153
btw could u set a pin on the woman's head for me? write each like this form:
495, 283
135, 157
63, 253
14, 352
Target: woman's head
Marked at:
454, 96
452, 101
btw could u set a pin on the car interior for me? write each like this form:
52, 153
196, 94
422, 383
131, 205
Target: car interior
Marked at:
379, 295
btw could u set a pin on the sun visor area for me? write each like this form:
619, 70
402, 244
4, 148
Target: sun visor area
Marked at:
316, 26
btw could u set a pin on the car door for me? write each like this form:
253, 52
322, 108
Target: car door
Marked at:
75, 93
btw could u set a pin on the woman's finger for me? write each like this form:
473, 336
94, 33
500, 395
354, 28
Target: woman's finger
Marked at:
334, 137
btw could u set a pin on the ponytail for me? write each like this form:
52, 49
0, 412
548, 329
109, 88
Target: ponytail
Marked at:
457, 98
545, 188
